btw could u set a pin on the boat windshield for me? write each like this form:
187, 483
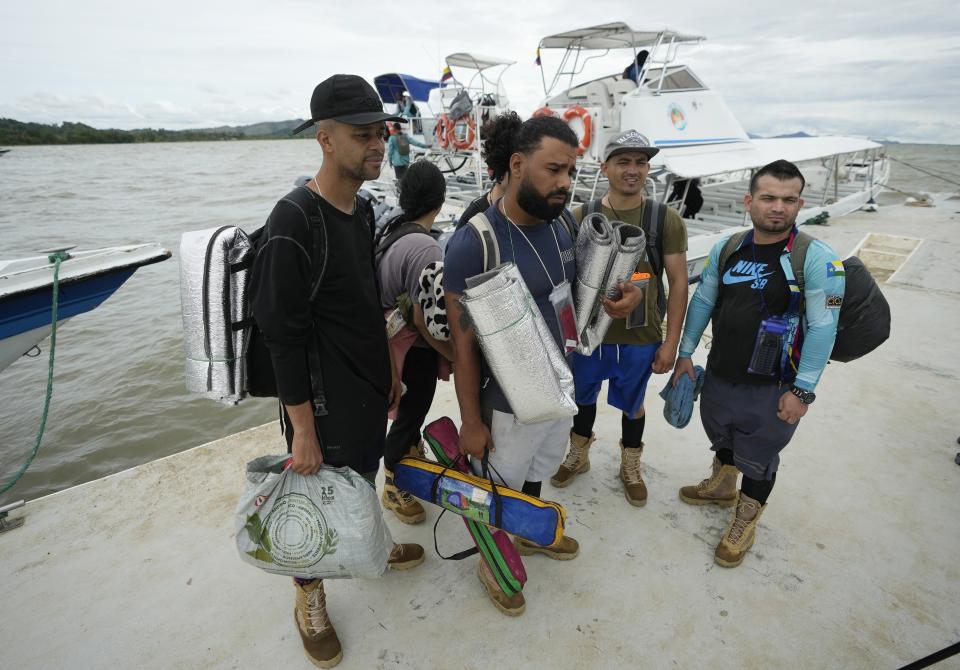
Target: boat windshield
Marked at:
652, 50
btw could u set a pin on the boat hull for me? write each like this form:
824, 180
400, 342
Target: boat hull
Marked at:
25, 318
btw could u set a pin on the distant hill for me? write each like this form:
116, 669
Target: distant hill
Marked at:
13, 133
272, 129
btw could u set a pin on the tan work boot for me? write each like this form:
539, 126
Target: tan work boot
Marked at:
720, 488
564, 549
576, 462
510, 605
320, 640
740, 533
419, 450
633, 487
404, 505
405, 556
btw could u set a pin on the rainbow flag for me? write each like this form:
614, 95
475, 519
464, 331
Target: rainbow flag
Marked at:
447, 75
538, 56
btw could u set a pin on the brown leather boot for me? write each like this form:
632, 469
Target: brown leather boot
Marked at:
720, 488
576, 462
405, 556
633, 487
404, 505
320, 640
564, 549
510, 605
738, 539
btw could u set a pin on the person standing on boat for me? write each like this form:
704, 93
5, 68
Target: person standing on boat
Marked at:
497, 135
635, 347
762, 369
398, 150
404, 250
529, 233
342, 323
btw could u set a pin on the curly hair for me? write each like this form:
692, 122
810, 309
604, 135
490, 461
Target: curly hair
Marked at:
499, 136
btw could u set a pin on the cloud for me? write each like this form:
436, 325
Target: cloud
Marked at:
822, 64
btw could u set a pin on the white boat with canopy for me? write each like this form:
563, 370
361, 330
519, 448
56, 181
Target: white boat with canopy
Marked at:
703, 146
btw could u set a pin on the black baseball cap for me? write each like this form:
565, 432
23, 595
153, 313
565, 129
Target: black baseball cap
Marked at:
346, 98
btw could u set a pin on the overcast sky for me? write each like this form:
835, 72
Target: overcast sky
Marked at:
873, 69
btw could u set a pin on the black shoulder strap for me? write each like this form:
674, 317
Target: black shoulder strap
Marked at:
387, 238
304, 199
592, 207
366, 208
654, 215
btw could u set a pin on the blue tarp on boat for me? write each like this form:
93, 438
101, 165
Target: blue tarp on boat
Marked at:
392, 84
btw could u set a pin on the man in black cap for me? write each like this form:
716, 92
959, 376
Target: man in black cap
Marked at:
332, 322
634, 347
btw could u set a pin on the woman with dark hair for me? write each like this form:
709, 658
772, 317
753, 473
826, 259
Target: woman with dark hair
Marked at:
499, 136
405, 251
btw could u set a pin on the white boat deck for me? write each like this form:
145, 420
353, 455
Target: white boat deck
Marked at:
856, 565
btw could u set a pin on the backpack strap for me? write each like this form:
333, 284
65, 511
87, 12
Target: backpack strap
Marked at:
309, 204
733, 243
569, 222
798, 255
592, 207
389, 235
654, 216
488, 240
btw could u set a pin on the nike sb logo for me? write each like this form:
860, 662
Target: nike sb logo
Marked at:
745, 271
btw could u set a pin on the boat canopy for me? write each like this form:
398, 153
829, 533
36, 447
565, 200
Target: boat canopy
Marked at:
617, 35
392, 84
475, 61
703, 161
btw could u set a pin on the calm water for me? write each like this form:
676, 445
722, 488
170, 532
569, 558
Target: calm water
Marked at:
119, 398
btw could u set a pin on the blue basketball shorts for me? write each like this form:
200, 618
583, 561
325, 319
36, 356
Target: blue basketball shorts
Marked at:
627, 367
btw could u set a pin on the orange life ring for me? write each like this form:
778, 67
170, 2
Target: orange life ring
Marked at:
578, 112
544, 111
442, 132
466, 143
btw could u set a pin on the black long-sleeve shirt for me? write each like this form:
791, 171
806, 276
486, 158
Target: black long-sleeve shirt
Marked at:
345, 315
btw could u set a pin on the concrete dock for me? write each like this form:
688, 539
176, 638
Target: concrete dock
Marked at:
856, 563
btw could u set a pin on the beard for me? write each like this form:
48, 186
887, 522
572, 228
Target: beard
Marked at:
537, 205
774, 226
359, 172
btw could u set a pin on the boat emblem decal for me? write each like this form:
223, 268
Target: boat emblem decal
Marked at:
677, 117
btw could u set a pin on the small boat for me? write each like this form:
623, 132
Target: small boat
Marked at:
5, 151
452, 111
86, 279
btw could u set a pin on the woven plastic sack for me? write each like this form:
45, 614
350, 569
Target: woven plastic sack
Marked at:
322, 526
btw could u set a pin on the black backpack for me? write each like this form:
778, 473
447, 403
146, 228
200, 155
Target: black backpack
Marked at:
864, 322
261, 381
654, 216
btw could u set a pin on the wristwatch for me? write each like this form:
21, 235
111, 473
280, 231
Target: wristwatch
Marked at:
806, 397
